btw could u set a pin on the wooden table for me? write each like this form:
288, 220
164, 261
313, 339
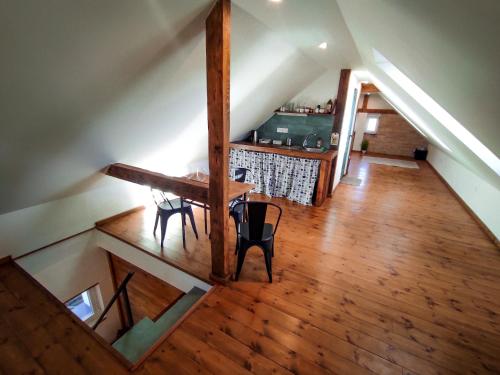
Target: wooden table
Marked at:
236, 189
192, 188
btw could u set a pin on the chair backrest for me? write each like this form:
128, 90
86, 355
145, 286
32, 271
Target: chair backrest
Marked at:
240, 174
257, 217
160, 197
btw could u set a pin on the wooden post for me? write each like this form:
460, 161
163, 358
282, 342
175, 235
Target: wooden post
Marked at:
218, 34
345, 75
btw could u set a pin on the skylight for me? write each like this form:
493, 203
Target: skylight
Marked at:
438, 112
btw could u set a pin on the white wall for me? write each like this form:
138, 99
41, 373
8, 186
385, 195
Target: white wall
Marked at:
150, 264
70, 267
480, 196
31, 228
376, 101
321, 90
360, 128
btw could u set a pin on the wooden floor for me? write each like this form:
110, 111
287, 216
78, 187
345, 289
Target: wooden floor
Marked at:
391, 277
38, 335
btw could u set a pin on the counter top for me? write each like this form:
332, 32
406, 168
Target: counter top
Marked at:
275, 149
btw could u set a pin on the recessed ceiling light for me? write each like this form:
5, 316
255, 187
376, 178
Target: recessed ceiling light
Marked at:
323, 45
275, 1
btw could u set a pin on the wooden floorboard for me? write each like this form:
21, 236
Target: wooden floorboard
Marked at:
393, 276
390, 277
40, 336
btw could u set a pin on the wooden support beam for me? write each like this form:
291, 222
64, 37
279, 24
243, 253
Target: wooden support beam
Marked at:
369, 88
366, 98
345, 75
218, 53
181, 186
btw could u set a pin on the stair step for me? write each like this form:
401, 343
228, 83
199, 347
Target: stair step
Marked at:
136, 341
172, 315
144, 334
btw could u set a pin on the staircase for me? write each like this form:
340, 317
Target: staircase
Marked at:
143, 335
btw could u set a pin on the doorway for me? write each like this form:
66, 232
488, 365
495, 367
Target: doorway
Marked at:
347, 152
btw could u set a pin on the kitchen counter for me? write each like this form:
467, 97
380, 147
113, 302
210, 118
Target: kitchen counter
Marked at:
324, 183
328, 155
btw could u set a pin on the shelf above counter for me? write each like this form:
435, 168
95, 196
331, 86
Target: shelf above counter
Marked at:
301, 114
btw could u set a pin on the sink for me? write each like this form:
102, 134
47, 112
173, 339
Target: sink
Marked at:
291, 147
300, 148
314, 149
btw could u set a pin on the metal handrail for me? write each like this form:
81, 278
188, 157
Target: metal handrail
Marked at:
121, 289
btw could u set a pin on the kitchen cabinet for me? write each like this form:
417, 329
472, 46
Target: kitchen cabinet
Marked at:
326, 161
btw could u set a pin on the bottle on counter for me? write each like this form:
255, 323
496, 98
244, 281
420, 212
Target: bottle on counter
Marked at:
329, 106
254, 136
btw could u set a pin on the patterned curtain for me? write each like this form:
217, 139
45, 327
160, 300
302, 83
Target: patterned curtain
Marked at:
278, 175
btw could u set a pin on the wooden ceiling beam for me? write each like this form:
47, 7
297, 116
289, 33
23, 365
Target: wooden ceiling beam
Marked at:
369, 88
181, 186
218, 53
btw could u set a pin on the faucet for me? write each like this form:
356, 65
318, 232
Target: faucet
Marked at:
306, 139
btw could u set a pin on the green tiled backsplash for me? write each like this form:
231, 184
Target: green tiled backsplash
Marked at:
298, 128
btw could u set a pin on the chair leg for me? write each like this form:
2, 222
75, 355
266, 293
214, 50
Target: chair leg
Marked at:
163, 227
269, 267
156, 223
183, 226
234, 216
241, 258
191, 219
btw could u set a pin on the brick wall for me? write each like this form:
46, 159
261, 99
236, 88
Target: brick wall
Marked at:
395, 136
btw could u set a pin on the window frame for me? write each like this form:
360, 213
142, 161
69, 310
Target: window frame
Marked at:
96, 302
372, 117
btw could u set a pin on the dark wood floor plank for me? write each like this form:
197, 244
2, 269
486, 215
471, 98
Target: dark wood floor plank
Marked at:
289, 330
214, 335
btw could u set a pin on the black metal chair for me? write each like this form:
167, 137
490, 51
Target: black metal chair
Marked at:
240, 175
256, 232
167, 208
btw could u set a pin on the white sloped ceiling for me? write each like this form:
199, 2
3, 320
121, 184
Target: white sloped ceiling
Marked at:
89, 83
449, 49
